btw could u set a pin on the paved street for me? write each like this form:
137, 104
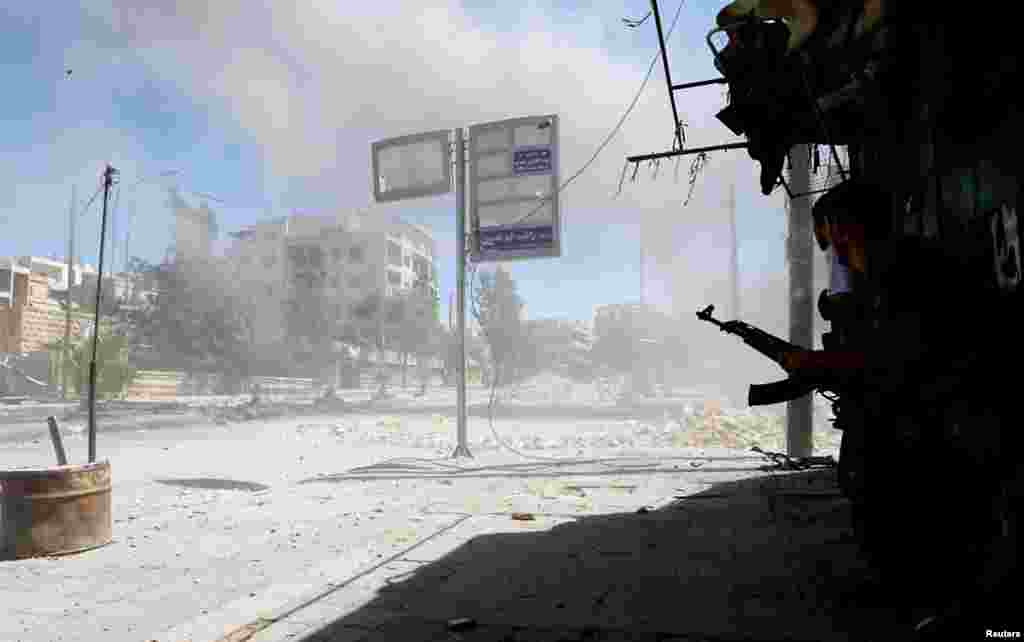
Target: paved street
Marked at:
222, 524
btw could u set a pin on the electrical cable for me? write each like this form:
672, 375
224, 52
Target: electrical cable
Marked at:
608, 462
618, 126
113, 241
91, 201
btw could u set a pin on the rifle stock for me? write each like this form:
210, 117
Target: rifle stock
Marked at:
766, 394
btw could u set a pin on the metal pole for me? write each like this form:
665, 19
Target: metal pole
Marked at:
65, 361
700, 83
734, 266
108, 177
686, 152
58, 445
668, 76
461, 448
800, 412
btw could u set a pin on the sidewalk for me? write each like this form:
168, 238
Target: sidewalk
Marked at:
759, 558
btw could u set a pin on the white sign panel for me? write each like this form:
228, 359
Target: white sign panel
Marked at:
513, 189
412, 166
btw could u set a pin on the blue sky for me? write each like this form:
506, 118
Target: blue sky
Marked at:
272, 108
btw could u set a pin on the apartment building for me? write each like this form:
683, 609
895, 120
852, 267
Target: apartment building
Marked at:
288, 264
195, 229
31, 314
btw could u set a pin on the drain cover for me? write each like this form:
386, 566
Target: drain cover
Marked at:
210, 483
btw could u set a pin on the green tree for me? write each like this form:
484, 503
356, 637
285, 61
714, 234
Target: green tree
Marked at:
194, 321
497, 308
113, 371
413, 325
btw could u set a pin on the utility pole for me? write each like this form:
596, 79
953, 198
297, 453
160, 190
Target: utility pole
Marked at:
734, 265
800, 412
108, 180
461, 447
66, 361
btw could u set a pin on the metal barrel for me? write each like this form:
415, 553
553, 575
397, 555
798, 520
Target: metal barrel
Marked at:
55, 511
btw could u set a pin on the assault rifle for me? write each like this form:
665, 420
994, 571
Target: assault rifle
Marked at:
764, 394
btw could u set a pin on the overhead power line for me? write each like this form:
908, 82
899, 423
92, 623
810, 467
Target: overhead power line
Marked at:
618, 126
91, 200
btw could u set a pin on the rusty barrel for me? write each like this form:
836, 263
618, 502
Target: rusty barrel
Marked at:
54, 511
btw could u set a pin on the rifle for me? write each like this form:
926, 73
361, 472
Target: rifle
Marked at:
774, 348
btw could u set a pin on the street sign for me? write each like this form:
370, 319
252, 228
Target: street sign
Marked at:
412, 166
513, 193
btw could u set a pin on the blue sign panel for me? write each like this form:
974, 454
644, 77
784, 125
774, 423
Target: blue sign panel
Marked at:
518, 239
529, 161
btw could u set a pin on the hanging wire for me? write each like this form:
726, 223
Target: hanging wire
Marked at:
622, 179
695, 168
633, 24
91, 201
615, 130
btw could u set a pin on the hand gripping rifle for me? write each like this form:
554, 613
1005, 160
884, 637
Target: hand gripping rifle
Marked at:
764, 394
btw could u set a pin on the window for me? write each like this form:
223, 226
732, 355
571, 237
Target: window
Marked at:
394, 278
394, 253
270, 290
408, 261
334, 282
355, 253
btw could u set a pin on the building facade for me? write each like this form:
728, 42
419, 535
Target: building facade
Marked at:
31, 312
305, 268
195, 229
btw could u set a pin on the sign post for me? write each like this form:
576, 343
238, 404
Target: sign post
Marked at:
513, 204
462, 445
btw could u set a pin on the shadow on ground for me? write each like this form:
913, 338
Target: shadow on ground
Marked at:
767, 558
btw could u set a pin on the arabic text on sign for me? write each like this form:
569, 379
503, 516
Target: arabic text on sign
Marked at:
531, 161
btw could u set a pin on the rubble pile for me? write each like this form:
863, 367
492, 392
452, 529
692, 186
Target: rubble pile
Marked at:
707, 427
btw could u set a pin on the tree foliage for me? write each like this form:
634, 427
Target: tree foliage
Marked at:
497, 308
194, 320
414, 328
113, 372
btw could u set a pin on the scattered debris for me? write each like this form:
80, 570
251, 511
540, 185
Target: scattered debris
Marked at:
523, 517
785, 462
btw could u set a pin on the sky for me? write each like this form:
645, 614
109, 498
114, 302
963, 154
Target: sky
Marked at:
271, 108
